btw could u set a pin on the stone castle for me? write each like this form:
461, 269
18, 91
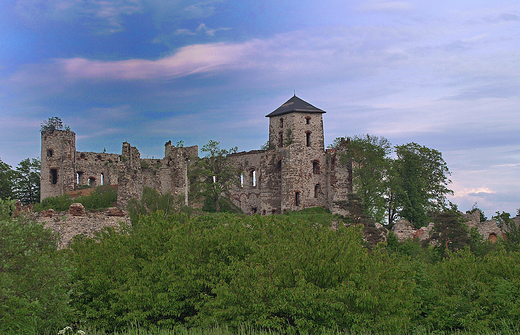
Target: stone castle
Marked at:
294, 173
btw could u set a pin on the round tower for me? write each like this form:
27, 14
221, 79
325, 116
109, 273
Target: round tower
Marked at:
58, 151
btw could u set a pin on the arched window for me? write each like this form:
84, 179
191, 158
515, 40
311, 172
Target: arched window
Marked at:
79, 178
92, 182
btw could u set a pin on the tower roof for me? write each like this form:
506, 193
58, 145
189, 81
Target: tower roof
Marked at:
295, 104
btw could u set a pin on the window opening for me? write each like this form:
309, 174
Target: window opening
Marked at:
308, 120
316, 190
281, 122
253, 177
79, 178
214, 179
279, 166
82, 156
242, 179
273, 211
297, 198
49, 152
315, 167
280, 140
54, 176
263, 212
308, 139
92, 182
254, 209
102, 179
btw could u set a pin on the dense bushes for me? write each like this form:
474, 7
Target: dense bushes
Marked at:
102, 197
34, 277
290, 273
286, 273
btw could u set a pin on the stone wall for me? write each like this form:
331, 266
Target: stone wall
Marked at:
67, 224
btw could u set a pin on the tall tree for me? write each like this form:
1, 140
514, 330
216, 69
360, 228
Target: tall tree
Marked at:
420, 179
212, 176
27, 181
6, 180
369, 157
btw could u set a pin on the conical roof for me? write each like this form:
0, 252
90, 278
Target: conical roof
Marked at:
295, 104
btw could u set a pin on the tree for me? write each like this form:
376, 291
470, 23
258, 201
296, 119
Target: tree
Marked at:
6, 181
419, 185
27, 181
368, 156
34, 276
52, 124
213, 176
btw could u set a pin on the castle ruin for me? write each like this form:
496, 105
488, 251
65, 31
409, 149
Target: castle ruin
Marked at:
294, 173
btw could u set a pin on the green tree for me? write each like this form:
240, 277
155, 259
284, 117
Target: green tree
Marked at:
213, 176
368, 156
6, 181
34, 276
420, 179
27, 181
52, 124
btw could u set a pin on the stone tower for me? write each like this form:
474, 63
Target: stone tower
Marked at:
58, 157
296, 132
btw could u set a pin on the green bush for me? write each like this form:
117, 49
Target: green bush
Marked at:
34, 276
102, 197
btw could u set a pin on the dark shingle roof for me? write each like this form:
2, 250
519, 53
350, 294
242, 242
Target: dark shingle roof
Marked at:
295, 104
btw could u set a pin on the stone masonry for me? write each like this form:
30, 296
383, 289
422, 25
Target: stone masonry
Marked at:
294, 173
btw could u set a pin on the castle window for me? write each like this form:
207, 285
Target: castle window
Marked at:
281, 122
54, 176
308, 139
280, 140
279, 166
102, 179
308, 120
242, 179
315, 167
273, 211
252, 175
49, 152
317, 190
92, 182
297, 198
79, 178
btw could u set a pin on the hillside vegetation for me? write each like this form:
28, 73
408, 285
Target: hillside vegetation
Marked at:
288, 273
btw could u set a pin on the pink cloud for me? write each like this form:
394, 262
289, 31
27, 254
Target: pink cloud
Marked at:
188, 60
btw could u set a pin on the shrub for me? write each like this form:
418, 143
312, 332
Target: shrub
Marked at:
34, 276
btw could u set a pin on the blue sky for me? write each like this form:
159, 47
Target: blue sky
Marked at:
444, 74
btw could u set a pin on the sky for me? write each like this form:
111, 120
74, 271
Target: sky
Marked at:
444, 74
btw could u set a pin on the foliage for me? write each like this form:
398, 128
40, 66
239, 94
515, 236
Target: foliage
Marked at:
102, 197
277, 272
450, 231
34, 276
408, 186
6, 181
152, 201
368, 157
52, 124
27, 181
421, 182
212, 176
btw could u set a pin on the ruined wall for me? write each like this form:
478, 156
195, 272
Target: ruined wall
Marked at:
254, 181
58, 153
